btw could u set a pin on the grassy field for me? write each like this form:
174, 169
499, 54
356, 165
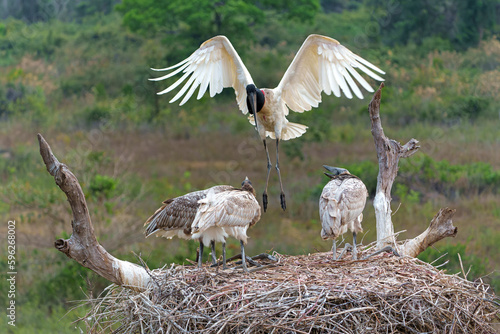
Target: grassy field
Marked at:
84, 88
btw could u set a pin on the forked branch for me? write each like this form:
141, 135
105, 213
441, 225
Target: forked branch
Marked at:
82, 246
389, 152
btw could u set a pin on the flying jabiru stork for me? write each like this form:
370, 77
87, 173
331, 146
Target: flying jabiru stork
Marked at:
322, 64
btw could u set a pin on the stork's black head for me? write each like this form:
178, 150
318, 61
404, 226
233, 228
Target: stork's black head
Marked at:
255, 99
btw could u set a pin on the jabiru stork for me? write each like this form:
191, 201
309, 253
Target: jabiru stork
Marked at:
233, 210
341, 207
176, 215
322, 64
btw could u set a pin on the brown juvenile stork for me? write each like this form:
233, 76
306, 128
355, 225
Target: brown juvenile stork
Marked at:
322, 64
341, 207
232, 210
176, 215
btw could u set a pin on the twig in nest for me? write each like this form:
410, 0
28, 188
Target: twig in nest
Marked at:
387, 249
262, 256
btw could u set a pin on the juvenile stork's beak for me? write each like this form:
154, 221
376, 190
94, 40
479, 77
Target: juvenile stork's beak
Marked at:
334, 171
246, 181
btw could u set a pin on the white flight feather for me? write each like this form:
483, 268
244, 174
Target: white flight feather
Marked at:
172, 87
205, 80
170, 74
183, 90
337, 73
174, 66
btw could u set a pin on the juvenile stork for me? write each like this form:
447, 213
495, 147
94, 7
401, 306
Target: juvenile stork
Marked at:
341, 206
176, 215
233, 210
322, 64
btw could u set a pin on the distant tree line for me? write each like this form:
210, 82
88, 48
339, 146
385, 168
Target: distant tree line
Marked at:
462, 23
32, 11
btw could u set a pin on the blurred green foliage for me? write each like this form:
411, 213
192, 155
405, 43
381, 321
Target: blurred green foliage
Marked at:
464, 23
452, 180
102, 186
197, 21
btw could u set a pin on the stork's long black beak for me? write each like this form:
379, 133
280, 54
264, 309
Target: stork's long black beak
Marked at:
252, 98
334, 171
252, 102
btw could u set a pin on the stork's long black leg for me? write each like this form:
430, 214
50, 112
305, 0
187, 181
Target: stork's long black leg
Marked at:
264, 195
243, 257
200, 256
224, 256
212, 244
282, 194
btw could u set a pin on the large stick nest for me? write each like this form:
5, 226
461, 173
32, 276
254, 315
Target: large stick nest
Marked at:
301, 294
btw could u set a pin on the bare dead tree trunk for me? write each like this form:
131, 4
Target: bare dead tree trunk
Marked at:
389, 152
82, 246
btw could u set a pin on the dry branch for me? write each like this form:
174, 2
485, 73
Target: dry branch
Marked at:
82, 246
389, 152
440, 227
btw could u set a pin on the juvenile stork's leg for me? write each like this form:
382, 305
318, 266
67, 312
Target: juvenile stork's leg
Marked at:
224, 256
212, 244
264, 195
334, 249
282, 194
200, 255
243, 257
354, 248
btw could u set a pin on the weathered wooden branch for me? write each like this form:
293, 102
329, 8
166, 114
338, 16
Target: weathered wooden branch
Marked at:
441, 226
82, 246
389, 152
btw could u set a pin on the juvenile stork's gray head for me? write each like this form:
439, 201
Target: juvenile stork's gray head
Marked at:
335, 171
247, 185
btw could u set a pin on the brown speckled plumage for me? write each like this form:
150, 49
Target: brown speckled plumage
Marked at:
178, 213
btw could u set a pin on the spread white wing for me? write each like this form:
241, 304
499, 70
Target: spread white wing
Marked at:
323, 64
215, 63
227, 209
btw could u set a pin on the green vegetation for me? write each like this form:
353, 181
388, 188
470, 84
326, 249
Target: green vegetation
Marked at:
443, 23
78, 75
